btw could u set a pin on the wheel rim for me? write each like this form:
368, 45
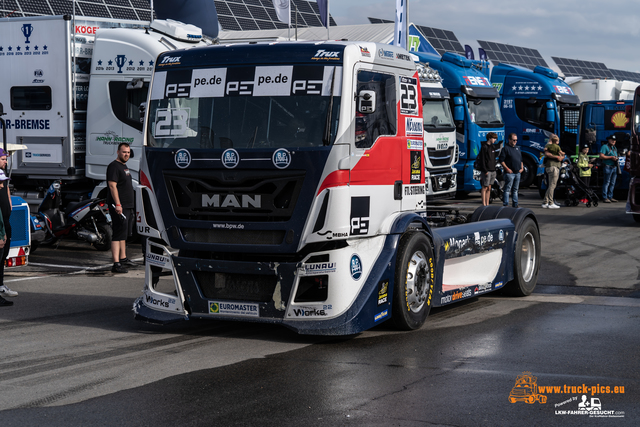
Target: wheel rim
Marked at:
528, 257
417, 282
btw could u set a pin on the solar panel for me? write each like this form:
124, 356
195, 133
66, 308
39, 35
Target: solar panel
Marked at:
442, 40
379, 21
119, 9
585, 69
625, 75
233, 15
514, 55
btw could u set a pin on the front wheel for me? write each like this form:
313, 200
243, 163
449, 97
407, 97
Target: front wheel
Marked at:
414, 281
104, 237
526, 260
528, 174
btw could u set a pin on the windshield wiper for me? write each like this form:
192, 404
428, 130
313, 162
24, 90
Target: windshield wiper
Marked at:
326, 138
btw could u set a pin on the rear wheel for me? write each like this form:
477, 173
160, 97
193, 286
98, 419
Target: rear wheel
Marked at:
526, 261
414, 281
104, 237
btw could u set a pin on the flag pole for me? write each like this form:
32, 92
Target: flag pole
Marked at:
328, 20
289, 23
406, 32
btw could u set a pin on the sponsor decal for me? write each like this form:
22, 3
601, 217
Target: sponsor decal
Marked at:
29, 124
308, 312
415, 144
230, 158
169, 60
414, 43
359, 215
383, 289
111, 138
507, 103
486, 287
498, 285
183, 158
501, 236
324, 55
227, 226
378, 317
160, 302
386, 54
317, 268
461, 294
416, 166
414, 190
364, 52
476, 81
526, 88
563, 90
331, 235
498, 86
442, 142
403, 56
234, 309
232, 201
356, 267
159, 260
281, 158
435, 94
445, 299
413, 126
619, 120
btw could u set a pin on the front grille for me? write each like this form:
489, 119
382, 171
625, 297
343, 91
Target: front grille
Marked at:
440, 157
236, 287
233, 236
243, 195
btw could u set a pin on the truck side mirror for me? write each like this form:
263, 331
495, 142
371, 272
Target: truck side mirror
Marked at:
551, 112
367, 102
142, 108
135, 84
458, 109
1, 109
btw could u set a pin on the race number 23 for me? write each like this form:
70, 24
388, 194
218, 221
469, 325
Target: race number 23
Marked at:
408, 98
172, 123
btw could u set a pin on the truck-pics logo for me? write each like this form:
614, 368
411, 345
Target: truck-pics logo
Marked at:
281, 158
183, 158
526, 390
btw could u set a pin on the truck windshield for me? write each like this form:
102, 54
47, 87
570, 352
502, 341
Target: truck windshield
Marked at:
436, 114
297, 116
485, 112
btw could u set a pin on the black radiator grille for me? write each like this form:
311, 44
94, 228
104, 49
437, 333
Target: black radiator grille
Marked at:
236, 287
233, 236
246, 195
440, 157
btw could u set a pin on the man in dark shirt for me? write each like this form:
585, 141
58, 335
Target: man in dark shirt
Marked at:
511, 160
121, 207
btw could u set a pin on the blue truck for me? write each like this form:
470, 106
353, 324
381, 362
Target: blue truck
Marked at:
475, 106
535, 104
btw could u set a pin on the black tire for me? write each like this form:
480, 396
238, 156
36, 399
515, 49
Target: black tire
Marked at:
414, 281
526, 262
34, 246
528, 175
588, 204
49, 240
567, 202
104, 238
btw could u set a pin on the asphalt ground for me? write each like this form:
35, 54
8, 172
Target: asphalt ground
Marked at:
71, 353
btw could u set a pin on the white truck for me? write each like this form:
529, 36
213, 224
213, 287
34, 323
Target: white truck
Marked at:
285, 177
440, 148
73, 90
602, 89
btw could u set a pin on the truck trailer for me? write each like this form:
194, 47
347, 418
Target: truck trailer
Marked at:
279, 183
74, 93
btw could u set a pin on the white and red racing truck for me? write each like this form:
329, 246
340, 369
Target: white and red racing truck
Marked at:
284, 183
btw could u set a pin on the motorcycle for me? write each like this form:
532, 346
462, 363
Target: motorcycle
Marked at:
87, 220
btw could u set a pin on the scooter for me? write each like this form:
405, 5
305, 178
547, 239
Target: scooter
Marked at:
87, 220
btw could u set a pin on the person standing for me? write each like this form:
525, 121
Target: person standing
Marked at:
553, 156
487, 166
5, 209
4, 242
584, 166
511, 160
609, 156
121, 206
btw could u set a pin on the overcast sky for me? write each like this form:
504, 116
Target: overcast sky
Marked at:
599, 31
